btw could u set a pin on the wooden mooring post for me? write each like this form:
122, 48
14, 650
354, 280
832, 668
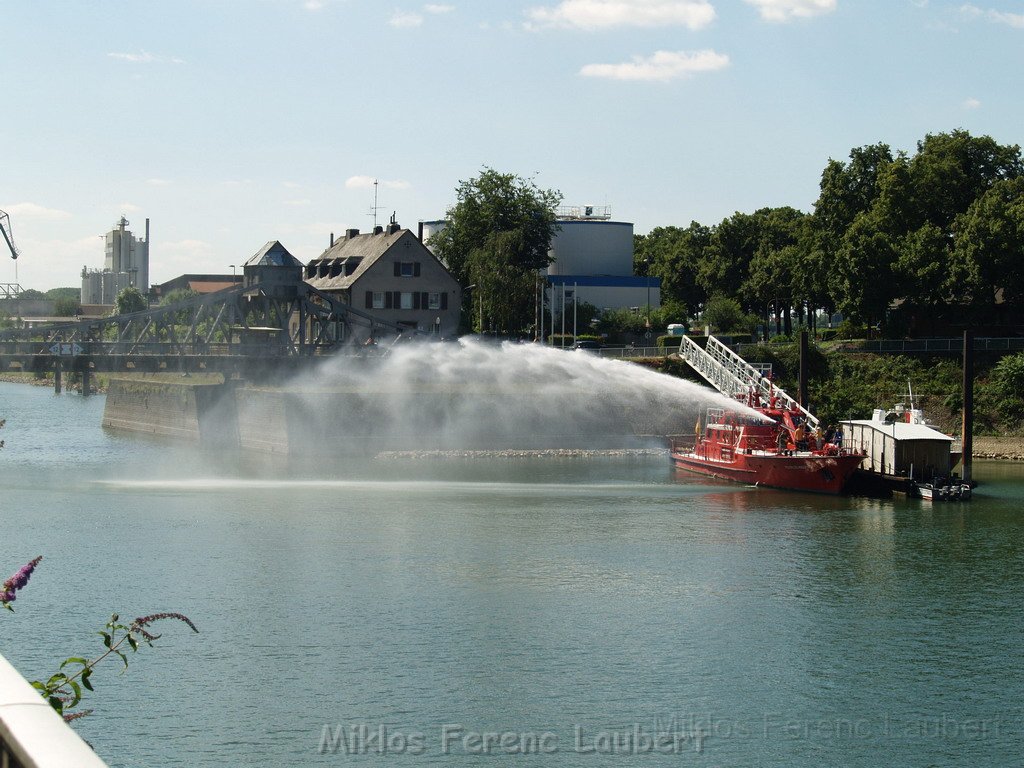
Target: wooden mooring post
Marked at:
802, 393
967, 427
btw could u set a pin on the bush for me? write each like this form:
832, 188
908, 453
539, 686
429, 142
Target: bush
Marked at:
65, 306
1008, 386
850, 330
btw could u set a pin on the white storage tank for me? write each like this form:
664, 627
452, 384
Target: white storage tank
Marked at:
592, 247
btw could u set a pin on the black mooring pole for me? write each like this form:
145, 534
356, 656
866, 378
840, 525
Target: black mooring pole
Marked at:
802, 394
968, 416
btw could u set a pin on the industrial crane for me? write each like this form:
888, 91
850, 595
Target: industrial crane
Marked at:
5, 228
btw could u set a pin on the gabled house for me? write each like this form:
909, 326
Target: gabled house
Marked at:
389, 274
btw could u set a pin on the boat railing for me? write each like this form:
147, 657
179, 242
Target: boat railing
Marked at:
32, 734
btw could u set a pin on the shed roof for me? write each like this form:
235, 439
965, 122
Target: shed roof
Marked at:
901, 431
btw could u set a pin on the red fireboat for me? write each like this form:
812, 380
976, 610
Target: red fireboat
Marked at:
773, 442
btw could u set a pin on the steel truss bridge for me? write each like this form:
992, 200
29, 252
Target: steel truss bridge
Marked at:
252, 331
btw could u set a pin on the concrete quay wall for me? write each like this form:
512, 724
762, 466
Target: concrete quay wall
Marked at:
156, 405
292, 421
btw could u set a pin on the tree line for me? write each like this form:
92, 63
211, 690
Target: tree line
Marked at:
939, 232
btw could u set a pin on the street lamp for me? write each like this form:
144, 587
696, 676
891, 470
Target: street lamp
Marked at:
481, 303
232, 270
647, 275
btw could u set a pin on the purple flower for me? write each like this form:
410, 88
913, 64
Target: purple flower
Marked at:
140, 624
17, 581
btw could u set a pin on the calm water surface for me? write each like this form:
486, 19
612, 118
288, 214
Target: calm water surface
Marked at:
580, 607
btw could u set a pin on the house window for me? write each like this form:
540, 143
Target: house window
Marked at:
406, 300
407, 269
378, 300
434, 301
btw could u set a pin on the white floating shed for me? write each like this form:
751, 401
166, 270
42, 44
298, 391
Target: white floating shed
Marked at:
898, 448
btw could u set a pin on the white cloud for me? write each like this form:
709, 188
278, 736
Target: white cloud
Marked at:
661, 66
34, 211
606, 14
784, 10
405, 20
314, 5
366, 182
438, 9
1015, 20
158, 182
124, 208
144, 57
359, 182
971, 103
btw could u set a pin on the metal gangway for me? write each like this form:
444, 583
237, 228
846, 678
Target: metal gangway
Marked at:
733, 376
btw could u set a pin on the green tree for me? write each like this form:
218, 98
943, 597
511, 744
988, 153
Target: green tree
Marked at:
728, 254
848, 189
771, 280
72, 293
65, 306
725, 315
674, 255
178, 295
497, 237
128, 300
952, 170
863, 281
989, 246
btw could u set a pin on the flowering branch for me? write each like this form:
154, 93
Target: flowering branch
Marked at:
64, 688
9, 589
64, 691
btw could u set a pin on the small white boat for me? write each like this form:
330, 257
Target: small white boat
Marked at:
943, 490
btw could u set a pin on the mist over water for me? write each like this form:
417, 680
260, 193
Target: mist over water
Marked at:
475, 395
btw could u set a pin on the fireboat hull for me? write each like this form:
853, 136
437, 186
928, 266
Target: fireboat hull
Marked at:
803, 471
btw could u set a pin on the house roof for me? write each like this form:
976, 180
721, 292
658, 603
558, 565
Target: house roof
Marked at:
366, 249
211, 286
273, 254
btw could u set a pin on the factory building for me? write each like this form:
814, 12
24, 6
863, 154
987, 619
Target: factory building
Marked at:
126, 263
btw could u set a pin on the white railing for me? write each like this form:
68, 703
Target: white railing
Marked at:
733, 376
32, 734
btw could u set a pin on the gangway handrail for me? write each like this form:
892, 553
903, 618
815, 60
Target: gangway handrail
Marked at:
733, 376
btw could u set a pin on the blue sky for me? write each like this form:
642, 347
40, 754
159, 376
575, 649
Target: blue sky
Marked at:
233, 122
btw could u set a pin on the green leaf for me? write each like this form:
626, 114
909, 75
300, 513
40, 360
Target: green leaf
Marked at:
133, 643
107, 640
75, 660
57, 704
85, 678
56, 681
